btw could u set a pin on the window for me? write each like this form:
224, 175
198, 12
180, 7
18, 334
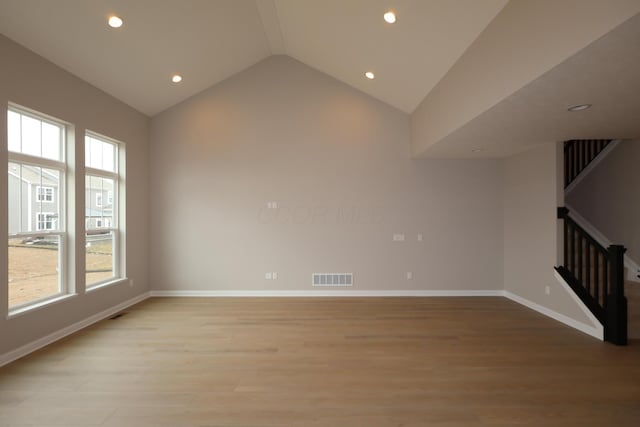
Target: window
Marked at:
36, 203
45, 221
104, 234
44, 194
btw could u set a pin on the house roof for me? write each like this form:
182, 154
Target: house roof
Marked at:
32, 175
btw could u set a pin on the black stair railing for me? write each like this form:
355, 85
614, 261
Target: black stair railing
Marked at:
596, 275
578, 153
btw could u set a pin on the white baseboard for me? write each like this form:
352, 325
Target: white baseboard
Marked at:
330, 293
595, 330
51, 338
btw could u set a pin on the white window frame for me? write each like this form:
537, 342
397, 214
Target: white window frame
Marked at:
60, 166
45, 194
117, 221
48, 217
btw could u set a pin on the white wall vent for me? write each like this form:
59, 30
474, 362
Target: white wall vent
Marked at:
332, 279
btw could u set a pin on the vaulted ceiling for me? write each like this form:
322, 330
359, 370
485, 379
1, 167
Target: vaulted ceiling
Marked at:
480, 78
209, 40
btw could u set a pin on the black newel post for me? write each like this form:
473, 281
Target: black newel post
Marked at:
616, 325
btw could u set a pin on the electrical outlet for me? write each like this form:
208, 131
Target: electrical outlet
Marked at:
547, 290
274, 275
268, 276
419, 237
131, 282
409, 275
398, 237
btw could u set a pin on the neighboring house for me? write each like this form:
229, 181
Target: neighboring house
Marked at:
99, 204
34, 199
35, 196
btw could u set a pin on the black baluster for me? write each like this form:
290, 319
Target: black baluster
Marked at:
588, 268
580, 264
596, 276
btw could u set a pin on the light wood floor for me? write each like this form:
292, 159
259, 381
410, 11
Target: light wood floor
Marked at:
325, 362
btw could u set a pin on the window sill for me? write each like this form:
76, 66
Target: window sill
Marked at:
106, 284
22, 310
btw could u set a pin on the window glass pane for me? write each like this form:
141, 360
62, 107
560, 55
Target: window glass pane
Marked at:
51, 143
96, 154
34, 200
87, 151
13, 127
16, 187
108, 160
99, 256
31, 136
34, 137
100, 154
99, 206
47, 206
34, 265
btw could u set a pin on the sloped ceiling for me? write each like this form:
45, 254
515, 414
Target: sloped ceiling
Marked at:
605, 74
209, 40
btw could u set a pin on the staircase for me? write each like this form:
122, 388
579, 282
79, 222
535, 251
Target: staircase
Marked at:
593, 270
596, 275
578, 154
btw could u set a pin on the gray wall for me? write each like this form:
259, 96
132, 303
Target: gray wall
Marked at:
608, 197
29, 80
532, 193
337, 163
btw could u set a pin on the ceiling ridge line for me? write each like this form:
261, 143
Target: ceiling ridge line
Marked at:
270, 19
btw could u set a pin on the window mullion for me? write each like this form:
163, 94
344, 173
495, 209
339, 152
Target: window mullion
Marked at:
36, 161
101, 173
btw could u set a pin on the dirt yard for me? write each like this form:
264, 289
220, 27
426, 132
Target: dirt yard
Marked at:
33, 270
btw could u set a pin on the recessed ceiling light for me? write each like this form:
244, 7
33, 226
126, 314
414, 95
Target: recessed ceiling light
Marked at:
578, 107
176, 78
115, 21
390, 17
370, 75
